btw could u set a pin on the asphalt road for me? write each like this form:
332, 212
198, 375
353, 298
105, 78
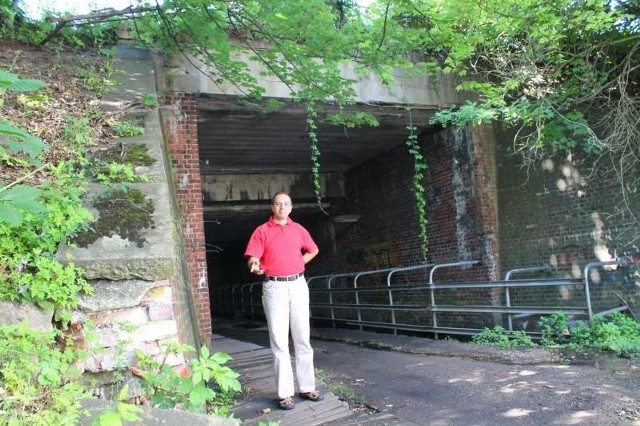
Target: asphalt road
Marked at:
462, 384
437, 390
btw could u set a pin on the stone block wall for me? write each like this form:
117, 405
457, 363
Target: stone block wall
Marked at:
143, 296
125, 316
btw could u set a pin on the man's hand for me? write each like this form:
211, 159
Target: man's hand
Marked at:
254, 267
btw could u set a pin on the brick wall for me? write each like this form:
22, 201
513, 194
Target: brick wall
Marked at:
181, 133
386, 234
462, 212
461, 206
546, 210
556, 212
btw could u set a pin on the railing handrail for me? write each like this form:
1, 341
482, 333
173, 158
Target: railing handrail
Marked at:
538, 268
349, 305
451, 265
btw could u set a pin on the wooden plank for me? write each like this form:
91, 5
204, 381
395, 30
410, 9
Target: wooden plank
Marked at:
255, 365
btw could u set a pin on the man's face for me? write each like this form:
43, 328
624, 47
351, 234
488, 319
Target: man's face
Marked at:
281, 206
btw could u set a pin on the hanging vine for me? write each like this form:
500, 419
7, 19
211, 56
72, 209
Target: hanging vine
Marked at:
312, 116
418, 185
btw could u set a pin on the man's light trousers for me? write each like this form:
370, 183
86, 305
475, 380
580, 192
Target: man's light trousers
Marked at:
286, 306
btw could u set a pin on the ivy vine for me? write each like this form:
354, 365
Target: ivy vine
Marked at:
312, 116
418, 185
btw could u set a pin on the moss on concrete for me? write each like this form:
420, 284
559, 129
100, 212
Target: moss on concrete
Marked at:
123, 213
135, 154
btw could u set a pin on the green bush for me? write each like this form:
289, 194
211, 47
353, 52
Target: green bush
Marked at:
39, 383
616, 333
499, 336
127, 129
555, 329
29, 271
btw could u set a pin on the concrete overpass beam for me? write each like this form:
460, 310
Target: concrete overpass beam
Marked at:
261, 187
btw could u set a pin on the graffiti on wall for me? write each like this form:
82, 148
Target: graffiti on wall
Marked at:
371, 256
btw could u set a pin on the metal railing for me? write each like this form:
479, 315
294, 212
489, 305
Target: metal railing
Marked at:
403, 298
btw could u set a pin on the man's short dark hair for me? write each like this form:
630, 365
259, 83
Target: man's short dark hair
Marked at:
273, 199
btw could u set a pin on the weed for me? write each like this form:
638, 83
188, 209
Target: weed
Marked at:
498, 336
40, 384
555, 329
94, 80
123, 411
616, 333
167, 388
127, 129
77, 134
149, 100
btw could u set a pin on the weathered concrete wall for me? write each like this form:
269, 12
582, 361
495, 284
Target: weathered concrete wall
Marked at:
260, 187
186, 76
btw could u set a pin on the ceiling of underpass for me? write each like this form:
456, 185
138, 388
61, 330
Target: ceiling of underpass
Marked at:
243, 139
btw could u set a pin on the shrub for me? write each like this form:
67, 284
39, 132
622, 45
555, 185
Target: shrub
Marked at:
617, 333
498, 336
555, 329
39, 383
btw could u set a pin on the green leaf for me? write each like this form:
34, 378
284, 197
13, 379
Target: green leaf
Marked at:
20, 197
109, 418
199, 395
228, 383
129, 412
18, 140
204, 352
19, 193
13, 82
185, 386
196, 377
221, 357
10, 215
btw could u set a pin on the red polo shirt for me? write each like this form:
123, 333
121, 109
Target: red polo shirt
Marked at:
280, 247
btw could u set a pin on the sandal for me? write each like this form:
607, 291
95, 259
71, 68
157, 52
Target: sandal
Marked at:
312, 396
286, 403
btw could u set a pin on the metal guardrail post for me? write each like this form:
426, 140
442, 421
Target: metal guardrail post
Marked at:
253, 313
507, 295
357, 294
389, 275
357, 299
233, 295
585, 276
333, 317
432, 287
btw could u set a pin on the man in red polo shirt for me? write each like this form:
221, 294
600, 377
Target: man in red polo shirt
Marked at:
278, 251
